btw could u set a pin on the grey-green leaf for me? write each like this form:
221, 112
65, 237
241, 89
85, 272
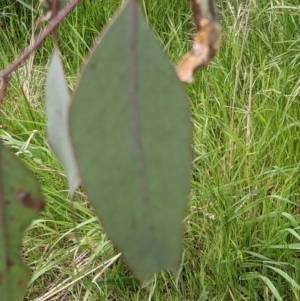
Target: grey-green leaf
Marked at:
57, 107
20, 202
131, 131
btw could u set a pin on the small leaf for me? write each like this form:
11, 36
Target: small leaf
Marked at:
57, 106
131, 131
20, 202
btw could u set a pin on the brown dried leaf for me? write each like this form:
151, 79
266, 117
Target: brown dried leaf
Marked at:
206, 42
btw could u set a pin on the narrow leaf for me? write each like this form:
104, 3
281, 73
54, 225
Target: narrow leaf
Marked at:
286, 276
131, 131
294, 246
272, 287
20, 202
57, 106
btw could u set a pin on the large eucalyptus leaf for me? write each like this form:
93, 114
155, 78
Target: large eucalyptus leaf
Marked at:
20, 202
131, 131
57, 106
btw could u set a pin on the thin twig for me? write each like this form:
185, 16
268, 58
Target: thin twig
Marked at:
27, 52
54, 12
5, 74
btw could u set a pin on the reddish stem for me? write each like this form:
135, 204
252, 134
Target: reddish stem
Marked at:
4, 75
53, 15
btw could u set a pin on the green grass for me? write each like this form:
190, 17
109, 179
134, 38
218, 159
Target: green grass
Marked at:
242, 239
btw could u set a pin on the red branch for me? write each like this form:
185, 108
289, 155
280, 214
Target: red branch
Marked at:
4, 75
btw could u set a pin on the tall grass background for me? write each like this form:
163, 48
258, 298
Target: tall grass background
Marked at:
242, 232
